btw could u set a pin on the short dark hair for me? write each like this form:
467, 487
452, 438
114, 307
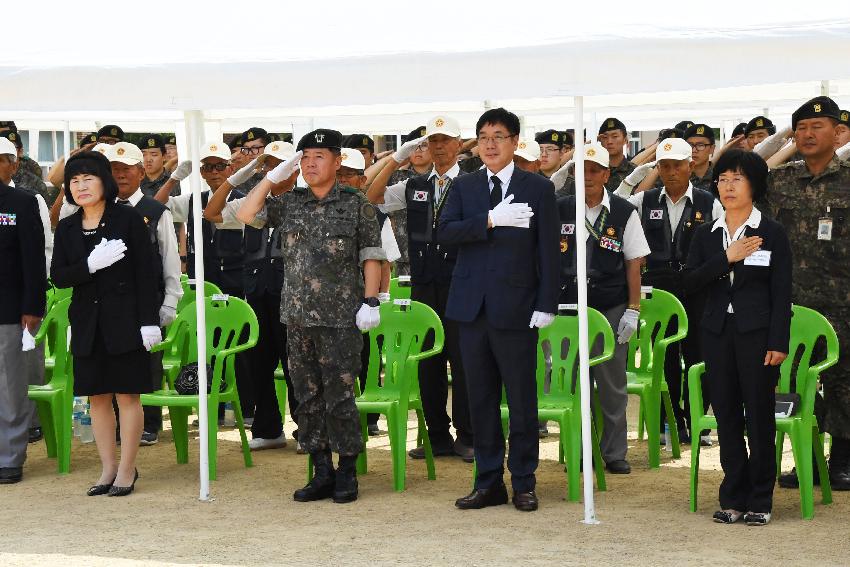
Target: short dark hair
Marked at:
92, 163
499, 116
749, 164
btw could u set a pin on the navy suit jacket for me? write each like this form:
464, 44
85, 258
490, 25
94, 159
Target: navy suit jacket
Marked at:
510, 271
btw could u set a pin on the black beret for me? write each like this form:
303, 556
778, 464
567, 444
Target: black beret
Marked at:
171, 140
152, 141
358, 141
414, 134
611, 124
671, 133
112, 131
253, 134
88, 139
235, 142
703, 130
683, 125
274, 138
321, 138
13, 137
818, 107
844, 117
760, 123
554, 137
739, 129
10, 124
568, 139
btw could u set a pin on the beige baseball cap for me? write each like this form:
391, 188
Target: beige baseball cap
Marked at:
102, 148
597, 153
527, 149
673, 148
281, 150
442, 124
352, 159
215, 149
125, 152
7, 147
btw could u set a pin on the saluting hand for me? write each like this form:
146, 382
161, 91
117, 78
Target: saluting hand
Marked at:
742, 248
406, 150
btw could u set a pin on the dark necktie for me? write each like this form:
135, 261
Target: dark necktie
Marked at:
496, 193
123, 201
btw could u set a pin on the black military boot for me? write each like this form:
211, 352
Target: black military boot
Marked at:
346, 480
839, 464
322, 484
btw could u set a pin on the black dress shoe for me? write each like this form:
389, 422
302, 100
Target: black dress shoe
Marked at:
840, 479
620, 466
464, 451
99, 489
483, 497
790, 480
419, 452
11, 475
35, 435
124, 490
525, 501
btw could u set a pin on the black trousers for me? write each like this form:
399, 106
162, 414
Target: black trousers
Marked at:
742, 395
494, 358
264, 359
153, 414
433, 376
244, 381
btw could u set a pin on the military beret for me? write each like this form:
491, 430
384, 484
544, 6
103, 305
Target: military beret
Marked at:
568, 139
739, 129
274, 138
152, 141
358, 141
112, 131
703, 130
818, 107
760, 123
88, 139
611, 124
235, 142
254, 134
286, 137
13, 137
554, 137
844, 117
10, 124
414, 134
321, 138
171, 140
683, 125
671, 133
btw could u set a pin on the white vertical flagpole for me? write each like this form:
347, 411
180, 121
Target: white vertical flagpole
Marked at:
583, 347
194, 129
66, 141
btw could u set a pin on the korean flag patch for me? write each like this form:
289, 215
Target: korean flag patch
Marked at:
420, 195
568, 228
656, 214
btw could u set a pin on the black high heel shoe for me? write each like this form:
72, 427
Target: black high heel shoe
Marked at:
123, 490
99, 489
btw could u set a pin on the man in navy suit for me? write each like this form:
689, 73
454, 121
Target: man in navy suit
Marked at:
504, 287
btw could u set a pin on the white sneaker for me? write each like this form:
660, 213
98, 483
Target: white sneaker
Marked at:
259, 444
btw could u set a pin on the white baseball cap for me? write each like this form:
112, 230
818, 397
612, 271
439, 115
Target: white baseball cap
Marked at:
102, 148
597, 153
528, 149
673, 148
125, 152
443, 125
352, 159
7, 147
281, 150
215, 149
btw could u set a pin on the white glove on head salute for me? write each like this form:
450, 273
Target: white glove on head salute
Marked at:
243, 174
182, 171
406, 150
507, 213
285, 170
105, 254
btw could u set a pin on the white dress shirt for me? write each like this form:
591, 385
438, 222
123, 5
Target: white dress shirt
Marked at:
634, 240
677, 208
394, 196
504, 176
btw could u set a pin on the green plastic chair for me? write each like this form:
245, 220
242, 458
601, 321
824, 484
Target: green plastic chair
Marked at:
398, 342
55, 399
280, 392
398, 291
210, 289
646, 380
226, 324
807, 326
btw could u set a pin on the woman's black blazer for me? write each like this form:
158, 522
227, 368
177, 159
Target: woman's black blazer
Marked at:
118, 299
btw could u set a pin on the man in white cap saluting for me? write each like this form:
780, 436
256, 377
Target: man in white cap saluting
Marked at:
527, 155
431, 267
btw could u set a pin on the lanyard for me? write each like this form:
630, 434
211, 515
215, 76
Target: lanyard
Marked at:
595, 229
443, 194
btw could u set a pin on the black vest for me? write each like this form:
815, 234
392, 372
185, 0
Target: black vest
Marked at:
263, 271
223, 254
429, 261
670, 251
151, 211
606, 267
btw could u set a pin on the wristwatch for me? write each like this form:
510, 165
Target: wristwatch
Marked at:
634, 307
372, 301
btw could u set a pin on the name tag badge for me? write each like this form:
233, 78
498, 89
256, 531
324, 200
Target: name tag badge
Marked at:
420, 195
825, 228
656, 214
568, 228
610, 244
8, 219
758, 258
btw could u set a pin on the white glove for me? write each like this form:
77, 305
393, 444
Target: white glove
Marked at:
540, 320
285, 170
628, 325
167, 315
182, 171
406, 150
243, 174
105, 254
511, 214
368, 317
843, 152
151, 336
772, 144
383, 297
639, 174
560, 177
27, 340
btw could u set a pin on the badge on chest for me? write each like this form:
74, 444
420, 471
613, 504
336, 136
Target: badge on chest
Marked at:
8, 219
656, 214
610, 243
568, 229
420, 196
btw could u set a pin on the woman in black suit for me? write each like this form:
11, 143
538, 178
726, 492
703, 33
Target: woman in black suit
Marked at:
743, 263
102, 251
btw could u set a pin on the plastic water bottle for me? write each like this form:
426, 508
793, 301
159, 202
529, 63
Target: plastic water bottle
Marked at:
229, 415
79, 410
86, 433
668, 445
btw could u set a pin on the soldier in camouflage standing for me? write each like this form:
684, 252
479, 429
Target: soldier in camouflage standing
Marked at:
810, 199
614, 136
330, 230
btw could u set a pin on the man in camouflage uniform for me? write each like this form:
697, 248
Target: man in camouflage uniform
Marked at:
330, 231
28, 175
810, 197
701, 139
614, 136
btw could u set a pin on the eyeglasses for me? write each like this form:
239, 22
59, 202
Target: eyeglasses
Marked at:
547, 151
699, 146
210, 167
251, 151
730, 181
497, 139
423, 147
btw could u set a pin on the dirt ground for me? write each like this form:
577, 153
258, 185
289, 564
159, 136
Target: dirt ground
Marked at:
254, 521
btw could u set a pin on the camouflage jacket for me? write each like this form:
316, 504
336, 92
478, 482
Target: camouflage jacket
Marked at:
704, 182
150, 188
799, 200
619, 173
26, 180
324, 244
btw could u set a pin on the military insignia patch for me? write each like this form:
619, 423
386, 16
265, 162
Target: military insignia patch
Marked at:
365, 141
151, 142
275, 147
698, 215
656, 214
114, 131
565, 245
568, 228
817, 107
668, 147
213, 148
610, 231
250, 135
700, 130
367, 211
522, 145
420, 196
759, 122
845, 116
439, 122
344, 156
120, 151
591, 152
554, 136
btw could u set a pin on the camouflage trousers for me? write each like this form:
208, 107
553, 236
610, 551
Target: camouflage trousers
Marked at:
833, 409
399, 224
323, 364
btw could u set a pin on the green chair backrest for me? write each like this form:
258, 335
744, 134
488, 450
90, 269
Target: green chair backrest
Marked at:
398, 342
210, 289
655, 330
808, 328
54, 332
562, 335
397, 291
57, 294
